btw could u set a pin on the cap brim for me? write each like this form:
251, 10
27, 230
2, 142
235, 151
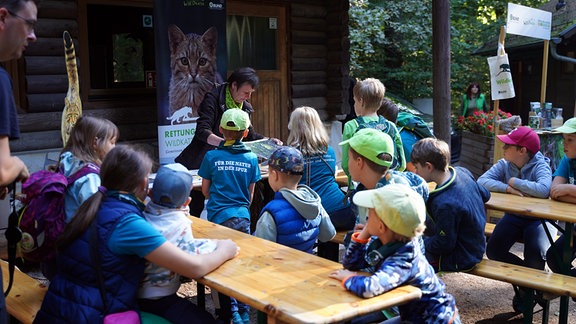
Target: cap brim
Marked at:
364, 198
566, 129
345, 142
506, 139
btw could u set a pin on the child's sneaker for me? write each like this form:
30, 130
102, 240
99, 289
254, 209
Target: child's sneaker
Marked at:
236, 318
245, 317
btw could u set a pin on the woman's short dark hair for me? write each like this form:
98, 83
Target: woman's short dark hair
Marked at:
244, 75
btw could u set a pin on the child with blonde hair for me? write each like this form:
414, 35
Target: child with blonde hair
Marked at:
368, 96
308, 134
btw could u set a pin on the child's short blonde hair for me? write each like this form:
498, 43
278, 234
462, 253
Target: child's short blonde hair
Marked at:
371, 91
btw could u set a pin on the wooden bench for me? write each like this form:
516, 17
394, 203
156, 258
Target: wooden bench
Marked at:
554, 283
339, 237
25, 297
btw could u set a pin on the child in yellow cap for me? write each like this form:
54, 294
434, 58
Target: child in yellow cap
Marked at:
388, 250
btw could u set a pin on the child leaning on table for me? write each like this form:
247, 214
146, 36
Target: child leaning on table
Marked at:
368, 95
229, 174
454, 238
168, 213
295, 217
564, 189
523, 171
387, 248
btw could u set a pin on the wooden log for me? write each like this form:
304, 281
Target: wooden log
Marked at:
317, 102
309, 90
37, 141
49, 46
49, 27
307, 10
308, 77
308, 51
38, 84
299, 23
45, 65
45, 102
37, 122
308, 37
67, 9
308, 64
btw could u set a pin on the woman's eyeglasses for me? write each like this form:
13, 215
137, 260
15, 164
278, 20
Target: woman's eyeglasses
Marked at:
29, 22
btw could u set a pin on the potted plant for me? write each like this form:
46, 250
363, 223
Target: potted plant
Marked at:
477, 131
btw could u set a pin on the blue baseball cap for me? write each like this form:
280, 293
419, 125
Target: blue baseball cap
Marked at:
172, 185
287, 159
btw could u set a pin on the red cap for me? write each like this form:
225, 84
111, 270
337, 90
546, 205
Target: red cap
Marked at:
522, 136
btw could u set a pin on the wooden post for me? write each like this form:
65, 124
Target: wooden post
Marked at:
544, 73
498, 146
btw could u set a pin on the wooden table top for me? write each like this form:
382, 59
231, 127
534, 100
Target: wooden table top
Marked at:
287, 284
535, 207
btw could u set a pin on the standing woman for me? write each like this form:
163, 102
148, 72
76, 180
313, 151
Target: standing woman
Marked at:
308, 134
231, 95
473, 100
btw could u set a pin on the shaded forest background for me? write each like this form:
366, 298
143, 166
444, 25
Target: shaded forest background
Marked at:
392, 40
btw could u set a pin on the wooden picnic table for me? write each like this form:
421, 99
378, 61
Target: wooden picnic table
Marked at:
547, 209
289, 285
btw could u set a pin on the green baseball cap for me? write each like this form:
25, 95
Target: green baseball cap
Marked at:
569, 126
371, 144
235, 119
402, 209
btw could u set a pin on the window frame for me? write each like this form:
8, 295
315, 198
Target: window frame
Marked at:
86, 90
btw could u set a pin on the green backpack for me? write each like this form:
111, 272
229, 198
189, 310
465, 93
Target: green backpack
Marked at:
413, 123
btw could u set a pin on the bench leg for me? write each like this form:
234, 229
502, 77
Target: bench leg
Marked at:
201, 296
546, 312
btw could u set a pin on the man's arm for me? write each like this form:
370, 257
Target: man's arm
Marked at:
11, 167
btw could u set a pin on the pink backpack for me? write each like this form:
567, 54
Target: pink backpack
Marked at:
43, 217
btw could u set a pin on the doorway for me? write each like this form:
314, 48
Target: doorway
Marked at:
256, 37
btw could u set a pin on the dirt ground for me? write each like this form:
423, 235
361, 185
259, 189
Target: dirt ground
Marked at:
479, 300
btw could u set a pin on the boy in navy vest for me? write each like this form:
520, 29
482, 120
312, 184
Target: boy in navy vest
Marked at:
295, 217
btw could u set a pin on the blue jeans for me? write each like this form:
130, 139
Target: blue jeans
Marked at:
242, 225
512, 228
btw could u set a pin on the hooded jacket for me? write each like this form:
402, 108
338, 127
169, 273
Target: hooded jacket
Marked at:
295, 218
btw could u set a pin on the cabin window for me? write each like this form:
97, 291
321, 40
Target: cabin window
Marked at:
251, 41
120, 47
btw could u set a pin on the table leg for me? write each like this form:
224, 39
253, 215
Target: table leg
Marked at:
565, 266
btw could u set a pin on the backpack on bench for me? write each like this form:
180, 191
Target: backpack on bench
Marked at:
42, 217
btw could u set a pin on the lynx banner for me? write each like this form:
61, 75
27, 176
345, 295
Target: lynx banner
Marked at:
190, 38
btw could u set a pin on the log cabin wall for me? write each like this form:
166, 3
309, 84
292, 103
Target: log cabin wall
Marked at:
318, 73
320, 60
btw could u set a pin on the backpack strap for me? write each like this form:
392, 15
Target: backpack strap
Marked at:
86, 169
13, 235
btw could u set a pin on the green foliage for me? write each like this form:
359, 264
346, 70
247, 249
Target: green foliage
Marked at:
392, 41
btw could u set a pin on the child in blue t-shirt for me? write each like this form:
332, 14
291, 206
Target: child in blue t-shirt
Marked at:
564, 189
229, 174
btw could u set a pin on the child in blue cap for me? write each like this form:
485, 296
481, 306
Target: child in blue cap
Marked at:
167, 212
295, 217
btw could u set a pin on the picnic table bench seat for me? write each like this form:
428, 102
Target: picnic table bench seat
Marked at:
25, 297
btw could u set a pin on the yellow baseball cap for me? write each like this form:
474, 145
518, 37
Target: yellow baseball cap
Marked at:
371, 144
235, 119
398, 206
